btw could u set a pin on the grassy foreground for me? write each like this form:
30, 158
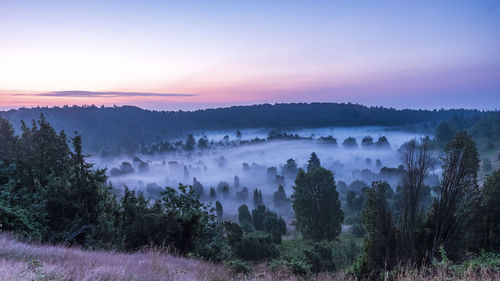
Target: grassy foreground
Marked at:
22, 261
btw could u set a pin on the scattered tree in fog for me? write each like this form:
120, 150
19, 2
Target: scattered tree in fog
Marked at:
444, 133
350, 142
198, 188
190, 142
315, 201
313, 162
417, 162
212, 193
125, 168
328, 140
242, 195
244, 216
203, 143
382, 142
367, 141
290, 168
219, 211
257, 198
236, 182
450, 210
279, 197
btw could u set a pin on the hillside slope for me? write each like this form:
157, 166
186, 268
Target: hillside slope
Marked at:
21, 261
128, 126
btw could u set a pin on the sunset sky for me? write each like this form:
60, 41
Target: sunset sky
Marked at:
198, 54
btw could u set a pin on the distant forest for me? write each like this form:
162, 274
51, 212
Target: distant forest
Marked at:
128, 126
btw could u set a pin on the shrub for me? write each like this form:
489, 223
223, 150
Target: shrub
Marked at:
313, 259
237, 267
256, 246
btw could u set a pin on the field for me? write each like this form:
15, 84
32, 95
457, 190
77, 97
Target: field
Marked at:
22, 261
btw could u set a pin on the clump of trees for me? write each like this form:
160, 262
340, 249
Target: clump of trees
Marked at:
49, 192
413, 230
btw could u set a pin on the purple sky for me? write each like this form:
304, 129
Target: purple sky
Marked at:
198, 54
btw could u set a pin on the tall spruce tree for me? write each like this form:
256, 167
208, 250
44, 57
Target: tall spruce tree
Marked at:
316, 203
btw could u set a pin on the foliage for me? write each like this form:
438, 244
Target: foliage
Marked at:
316, 205
256, 246
314, 258
238, 267
380, 243
313, 162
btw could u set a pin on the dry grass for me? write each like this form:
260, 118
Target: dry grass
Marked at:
21, 261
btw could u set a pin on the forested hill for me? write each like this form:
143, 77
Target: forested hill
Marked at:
127, 126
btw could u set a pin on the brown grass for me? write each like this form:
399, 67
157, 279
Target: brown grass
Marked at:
22, 261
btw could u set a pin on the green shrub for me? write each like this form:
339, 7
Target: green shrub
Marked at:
306, 261
237, 267
256, 246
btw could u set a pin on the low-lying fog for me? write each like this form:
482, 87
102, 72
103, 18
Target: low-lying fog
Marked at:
252, 163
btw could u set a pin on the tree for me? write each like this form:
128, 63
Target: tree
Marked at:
489, 214
218, 210
190, 142
236, 182
244, 216
202, 143
367, 141
313, 162
382, 142
279, 197
257, 198
198, 188
290, 168
417, 161
242, 195
350, 198
450, 213
350, 142
316, 205
444, 133
380, 243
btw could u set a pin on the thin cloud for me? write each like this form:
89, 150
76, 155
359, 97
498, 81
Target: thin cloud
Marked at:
106, 94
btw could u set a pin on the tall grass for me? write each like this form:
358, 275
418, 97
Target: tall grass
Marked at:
22, 261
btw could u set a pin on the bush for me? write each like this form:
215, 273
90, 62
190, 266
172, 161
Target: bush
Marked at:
237, 267
313, 259
256, 246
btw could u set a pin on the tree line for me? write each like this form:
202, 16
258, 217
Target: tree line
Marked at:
127, 128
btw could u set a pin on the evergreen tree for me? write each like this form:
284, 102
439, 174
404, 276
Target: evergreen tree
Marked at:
316, 204
380, 243
244, 216
488, 214
218, 210
367, 141
313, 162
279, 197
190, 142
198, 188
257, 198
290, 168
444, 133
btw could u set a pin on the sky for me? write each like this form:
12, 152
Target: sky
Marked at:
171, 55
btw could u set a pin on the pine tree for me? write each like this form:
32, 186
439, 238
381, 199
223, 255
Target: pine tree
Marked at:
313, 162
315, 201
